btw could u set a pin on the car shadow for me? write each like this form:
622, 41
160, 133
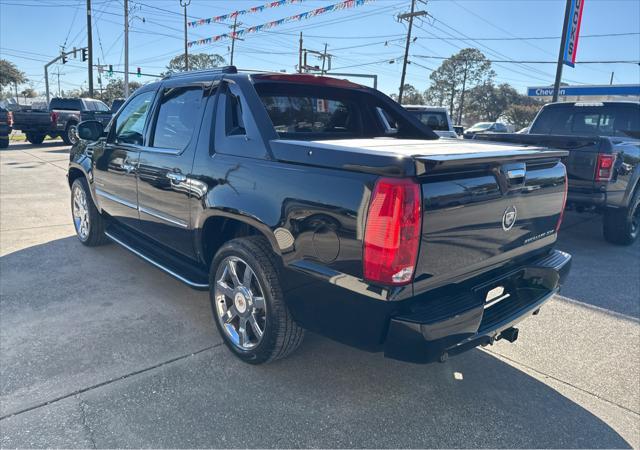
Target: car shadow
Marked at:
25, 145
602, 274
90, 315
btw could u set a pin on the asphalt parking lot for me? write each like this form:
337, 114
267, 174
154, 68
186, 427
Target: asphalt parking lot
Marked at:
100, 349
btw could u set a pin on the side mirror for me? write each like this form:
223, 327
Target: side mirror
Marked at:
90, 130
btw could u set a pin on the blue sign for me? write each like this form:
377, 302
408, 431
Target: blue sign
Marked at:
621, 89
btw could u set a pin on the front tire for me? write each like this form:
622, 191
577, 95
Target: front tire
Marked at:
622, 226
88, 222
248, 304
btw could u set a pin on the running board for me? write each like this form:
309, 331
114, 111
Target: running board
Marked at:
177, 267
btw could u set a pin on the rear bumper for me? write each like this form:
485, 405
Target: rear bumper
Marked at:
587, 198
459, 321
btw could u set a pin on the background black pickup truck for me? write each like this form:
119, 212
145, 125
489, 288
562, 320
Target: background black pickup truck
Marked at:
603, 164
60, 119
6, 125
305, 202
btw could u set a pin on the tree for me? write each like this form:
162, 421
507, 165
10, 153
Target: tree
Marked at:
468, 67
197, 61
10, 75
29, 93
488, 102
521, 115
115, 89
410, 96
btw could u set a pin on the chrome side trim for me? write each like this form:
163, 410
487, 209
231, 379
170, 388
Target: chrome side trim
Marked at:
159, 215
115, 198
157, 264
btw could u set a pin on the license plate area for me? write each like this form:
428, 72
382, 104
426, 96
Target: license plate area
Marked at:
506, 297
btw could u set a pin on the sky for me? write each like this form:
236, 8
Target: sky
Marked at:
367, 40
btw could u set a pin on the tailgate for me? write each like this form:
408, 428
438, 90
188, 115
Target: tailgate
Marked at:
28, 119
479, 212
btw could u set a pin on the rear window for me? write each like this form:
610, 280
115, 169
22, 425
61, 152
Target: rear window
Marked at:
320, 112
436, 120
597, 119
66, 103
299, 114
96, 105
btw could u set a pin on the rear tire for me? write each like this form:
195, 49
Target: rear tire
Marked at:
70, 135
35, 138
622, 226
255, 300
88, 222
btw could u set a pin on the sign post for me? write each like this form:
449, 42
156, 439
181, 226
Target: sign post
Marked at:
569, 41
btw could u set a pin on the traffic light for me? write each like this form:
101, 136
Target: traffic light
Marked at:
64, 58
84, 54
138, 73
110, 69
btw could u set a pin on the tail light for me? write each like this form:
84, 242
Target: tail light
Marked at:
54, 117
392, 234
564, 203
604, 167
10, 118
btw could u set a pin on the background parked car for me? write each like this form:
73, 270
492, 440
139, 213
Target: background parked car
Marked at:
60, 119
6, 123
485, 127
435, 117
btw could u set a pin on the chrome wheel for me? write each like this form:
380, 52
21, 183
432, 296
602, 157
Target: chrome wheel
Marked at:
80, 213
240, 304
72, 133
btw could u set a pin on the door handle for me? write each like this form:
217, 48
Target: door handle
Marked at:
176, 177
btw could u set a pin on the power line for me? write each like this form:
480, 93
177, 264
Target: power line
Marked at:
506, 61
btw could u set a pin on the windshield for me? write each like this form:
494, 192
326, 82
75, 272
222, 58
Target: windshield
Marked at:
317, 112
436, 120
481, 126
603, 119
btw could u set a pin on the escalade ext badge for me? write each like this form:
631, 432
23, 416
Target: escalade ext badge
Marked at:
509, 218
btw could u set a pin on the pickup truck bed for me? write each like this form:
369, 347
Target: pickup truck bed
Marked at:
388, 240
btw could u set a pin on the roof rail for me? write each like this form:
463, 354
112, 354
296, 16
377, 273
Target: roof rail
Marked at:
213, 70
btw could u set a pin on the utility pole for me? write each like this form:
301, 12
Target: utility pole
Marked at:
233, 37
464, 85
556, 85
324, 57
611, 80
58, 70
406, 16
184, 4
300, 55
126, 48
90, 49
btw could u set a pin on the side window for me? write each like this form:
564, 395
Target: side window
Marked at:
233, 113
178, 115
389, 125
129, 125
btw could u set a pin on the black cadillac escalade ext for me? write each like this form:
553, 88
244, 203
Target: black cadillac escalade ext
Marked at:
304, 202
